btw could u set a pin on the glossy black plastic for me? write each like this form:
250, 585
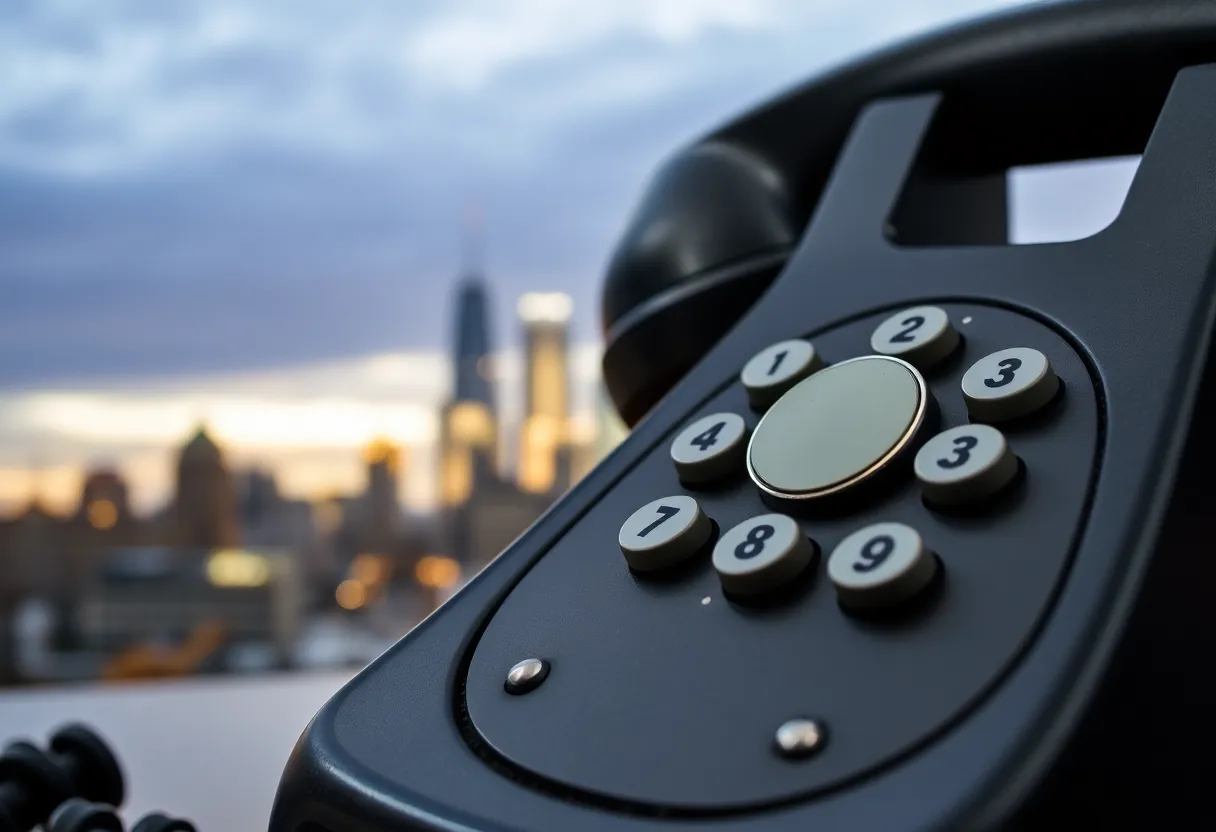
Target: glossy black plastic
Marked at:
1106, 718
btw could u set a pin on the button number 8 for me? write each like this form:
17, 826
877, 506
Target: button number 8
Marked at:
754, 543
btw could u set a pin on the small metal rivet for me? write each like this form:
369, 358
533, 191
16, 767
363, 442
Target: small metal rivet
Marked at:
705, 600
526, 675
800, 737
967, 319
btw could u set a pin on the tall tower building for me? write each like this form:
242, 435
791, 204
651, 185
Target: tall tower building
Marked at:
471, 348
468, 441
206, 511
544, 452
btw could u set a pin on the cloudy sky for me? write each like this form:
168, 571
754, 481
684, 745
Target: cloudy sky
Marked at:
250, 212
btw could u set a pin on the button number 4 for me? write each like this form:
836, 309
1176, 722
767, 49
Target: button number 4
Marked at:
709, 438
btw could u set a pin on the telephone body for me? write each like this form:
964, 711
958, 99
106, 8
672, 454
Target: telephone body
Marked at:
914, 528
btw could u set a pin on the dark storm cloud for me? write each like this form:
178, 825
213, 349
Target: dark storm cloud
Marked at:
291, 188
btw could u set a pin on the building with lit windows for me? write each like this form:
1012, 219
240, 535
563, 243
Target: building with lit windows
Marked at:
544, 438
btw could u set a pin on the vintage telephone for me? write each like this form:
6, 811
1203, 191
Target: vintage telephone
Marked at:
915, 529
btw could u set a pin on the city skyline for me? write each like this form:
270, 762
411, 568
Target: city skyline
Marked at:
308, 419
231, 574
308, 424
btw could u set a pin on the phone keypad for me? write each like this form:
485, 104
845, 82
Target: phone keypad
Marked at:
776, 369
922, 336
663, 533
928, 534
710, 449
1009, 384
830, 430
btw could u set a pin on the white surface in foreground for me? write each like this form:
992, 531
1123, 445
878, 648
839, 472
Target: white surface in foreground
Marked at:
211, 751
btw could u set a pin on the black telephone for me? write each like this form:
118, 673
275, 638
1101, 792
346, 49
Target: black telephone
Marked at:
914, 529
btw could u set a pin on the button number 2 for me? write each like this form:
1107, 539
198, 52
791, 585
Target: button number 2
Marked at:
1008, 366
904, 336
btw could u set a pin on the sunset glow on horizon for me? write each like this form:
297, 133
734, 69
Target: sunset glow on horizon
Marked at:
306, 424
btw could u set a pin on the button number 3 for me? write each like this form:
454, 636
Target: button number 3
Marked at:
963, 445
1008, 366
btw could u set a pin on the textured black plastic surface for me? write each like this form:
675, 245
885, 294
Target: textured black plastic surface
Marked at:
393, 750
657, 697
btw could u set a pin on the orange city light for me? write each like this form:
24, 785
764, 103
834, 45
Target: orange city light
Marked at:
102, 514
437, 572
369, 569
350, 594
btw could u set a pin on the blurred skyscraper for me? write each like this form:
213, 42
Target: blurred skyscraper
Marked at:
206, 508
472, 347
545, 447
468, 442
383, 521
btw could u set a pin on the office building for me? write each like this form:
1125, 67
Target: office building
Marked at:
468, 442
205, 512
544, 446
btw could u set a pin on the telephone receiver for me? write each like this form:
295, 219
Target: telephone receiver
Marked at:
913, 528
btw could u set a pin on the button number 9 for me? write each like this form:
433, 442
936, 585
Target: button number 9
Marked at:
875, 553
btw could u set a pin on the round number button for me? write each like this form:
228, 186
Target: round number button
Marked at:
761, 554
964, 465
710, 449
921, 336
880, 566
1008, 384
776, 369
663, 533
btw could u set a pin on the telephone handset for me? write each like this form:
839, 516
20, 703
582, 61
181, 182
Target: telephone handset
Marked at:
913, 529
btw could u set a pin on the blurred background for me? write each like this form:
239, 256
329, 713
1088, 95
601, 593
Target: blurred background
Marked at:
298, 300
